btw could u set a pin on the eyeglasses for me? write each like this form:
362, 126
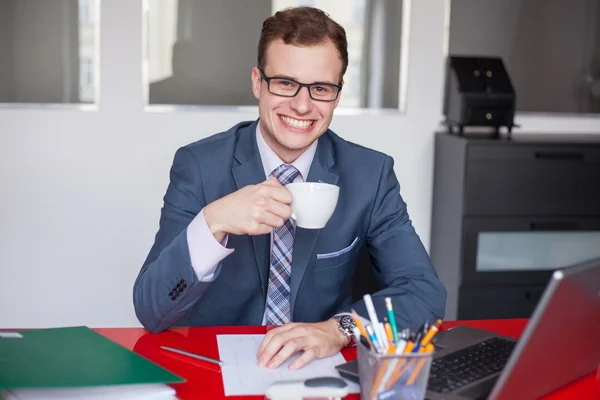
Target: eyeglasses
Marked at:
287, 87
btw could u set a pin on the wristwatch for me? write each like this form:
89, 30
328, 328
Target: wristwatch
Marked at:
346, 325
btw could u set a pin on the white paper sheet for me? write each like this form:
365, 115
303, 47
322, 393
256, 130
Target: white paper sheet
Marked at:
243, 376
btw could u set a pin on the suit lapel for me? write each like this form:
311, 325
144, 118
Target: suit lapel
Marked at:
249, 171
322, 169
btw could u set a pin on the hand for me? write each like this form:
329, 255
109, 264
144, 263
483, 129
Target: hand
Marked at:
252, 210
318, 340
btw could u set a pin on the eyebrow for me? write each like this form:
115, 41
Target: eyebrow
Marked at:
294, 79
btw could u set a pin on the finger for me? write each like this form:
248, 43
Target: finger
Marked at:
275, 344
278, 193
261, 229
265, 217
281, 210
304, 359
270, 334
272, 182
290, 348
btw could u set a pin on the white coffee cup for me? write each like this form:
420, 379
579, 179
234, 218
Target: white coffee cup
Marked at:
313, 203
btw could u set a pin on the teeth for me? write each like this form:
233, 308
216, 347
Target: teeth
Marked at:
295, 122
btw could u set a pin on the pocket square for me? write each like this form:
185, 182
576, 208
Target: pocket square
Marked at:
339, 252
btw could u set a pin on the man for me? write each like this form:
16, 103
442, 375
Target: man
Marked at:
227, 252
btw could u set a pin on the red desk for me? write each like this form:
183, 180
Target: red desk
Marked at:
204, 380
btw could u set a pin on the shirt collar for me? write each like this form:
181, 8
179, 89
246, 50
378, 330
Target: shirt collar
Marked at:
270, 160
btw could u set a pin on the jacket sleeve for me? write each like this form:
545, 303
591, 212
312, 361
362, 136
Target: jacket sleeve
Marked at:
167, 285
400, 260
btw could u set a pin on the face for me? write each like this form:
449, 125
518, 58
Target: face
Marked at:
291, 124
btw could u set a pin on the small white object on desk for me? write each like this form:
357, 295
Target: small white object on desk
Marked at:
325, 387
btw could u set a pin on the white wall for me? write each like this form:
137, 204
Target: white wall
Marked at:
82, 191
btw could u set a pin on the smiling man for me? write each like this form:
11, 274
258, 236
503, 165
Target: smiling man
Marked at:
227, 252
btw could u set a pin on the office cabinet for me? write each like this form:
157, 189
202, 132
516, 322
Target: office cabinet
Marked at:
506, 213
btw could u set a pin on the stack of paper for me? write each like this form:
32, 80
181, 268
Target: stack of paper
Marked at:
76, 363
124, 392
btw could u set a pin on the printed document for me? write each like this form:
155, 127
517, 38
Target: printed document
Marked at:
243, 376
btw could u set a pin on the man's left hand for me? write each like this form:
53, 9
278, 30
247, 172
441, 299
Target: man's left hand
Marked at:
318, 340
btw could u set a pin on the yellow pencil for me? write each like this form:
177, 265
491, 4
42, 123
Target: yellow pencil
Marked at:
390, 338
361, 328
398, 370
415, 373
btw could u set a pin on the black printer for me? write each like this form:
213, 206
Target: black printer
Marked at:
478, 92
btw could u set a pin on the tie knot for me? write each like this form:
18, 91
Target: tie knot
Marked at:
285, 173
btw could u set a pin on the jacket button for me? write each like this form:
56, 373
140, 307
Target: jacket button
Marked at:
184, 285
173, 298
171, 293
178, 286
182, 281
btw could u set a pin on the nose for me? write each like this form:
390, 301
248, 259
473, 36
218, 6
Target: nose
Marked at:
302, 102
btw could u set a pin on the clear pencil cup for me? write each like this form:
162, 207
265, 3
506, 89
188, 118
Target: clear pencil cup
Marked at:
393, 376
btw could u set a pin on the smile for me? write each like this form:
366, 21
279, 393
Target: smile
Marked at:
296, 123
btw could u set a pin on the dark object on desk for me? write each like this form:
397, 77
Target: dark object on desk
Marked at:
478, 92
498, 207
193, 355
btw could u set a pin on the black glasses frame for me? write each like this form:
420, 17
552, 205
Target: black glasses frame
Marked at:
300, 86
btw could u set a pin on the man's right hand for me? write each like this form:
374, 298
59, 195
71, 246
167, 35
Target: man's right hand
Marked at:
252, 210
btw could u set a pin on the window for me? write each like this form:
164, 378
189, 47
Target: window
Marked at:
530, 251
86, 79
551, 49
50, 51
86, 12
201, 52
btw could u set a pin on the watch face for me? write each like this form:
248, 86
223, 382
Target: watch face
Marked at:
347, 324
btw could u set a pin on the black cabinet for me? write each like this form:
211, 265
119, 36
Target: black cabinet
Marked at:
506, 213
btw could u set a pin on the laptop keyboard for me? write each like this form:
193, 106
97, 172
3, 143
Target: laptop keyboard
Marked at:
470, 364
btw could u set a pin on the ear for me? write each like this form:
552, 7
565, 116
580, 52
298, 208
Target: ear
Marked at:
256, 82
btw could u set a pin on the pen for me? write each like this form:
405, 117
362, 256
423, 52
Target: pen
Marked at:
418, 337
196, 356
373, 317
386, 344
430, 334
361, 339
373, 338
391, 317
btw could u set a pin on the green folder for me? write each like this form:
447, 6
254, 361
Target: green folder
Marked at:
73, 357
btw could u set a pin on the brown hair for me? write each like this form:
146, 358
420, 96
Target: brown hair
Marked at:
302, 26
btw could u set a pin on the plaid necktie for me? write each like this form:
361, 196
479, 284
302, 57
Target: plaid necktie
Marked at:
278, 294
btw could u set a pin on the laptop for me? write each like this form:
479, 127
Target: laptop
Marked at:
560, 343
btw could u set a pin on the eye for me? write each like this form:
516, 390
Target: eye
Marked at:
322, 89
286, 84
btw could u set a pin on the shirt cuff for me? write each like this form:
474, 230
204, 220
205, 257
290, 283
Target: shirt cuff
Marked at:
206, 253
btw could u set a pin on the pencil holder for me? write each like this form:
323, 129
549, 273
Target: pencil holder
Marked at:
393, 376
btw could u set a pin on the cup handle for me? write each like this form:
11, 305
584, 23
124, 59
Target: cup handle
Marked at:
293, 216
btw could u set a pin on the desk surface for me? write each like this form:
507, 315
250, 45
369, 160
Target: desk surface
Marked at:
205, 381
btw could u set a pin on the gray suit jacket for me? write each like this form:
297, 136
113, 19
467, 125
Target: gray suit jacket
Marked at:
167, 291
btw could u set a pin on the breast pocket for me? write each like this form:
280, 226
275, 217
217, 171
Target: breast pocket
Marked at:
333, 259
